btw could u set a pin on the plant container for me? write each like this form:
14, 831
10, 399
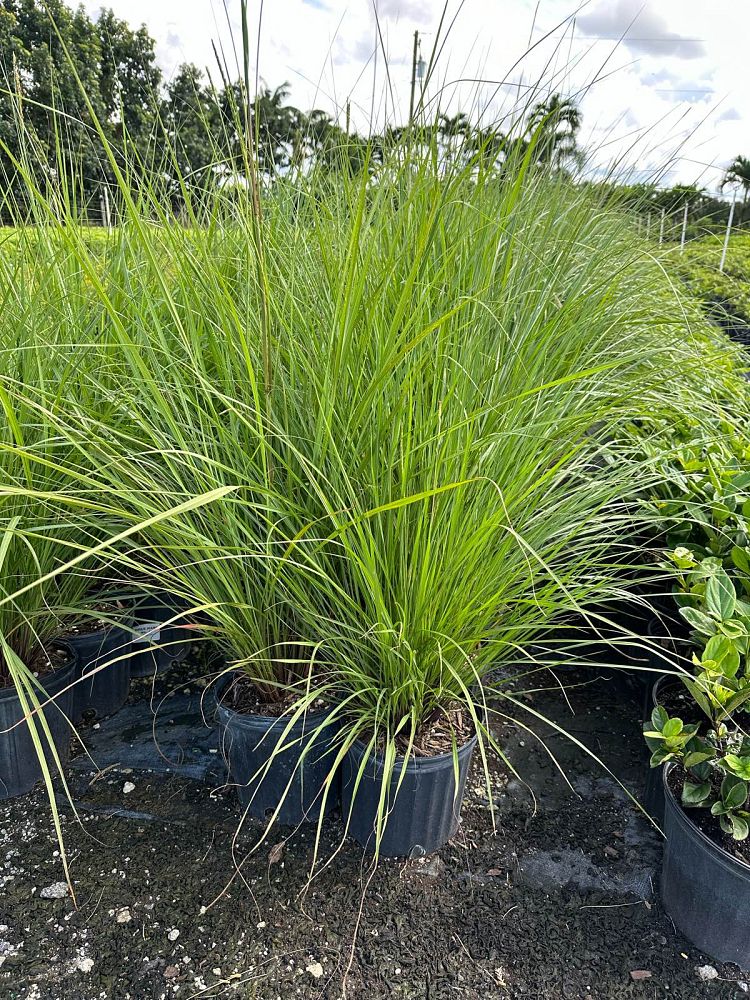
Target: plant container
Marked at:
19, 765
103, 670
248, 742
423, 813
156, 646
704, 889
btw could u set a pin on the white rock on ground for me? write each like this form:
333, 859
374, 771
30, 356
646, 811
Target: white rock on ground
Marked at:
58, 890
128, 787
7, 950
315, 969
123, 916
84, 964
706, 972
173, 934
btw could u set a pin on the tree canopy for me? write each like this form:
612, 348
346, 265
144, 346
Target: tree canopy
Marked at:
66, 78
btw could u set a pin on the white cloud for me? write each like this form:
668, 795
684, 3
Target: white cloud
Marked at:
417, 10
641, 29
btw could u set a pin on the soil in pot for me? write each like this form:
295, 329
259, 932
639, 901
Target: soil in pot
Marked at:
705, 887
103, 652
156, 646
271, 768
20, 768
423, 800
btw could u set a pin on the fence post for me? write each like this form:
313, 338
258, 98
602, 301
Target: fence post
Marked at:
726, 235
104, 204
684, 228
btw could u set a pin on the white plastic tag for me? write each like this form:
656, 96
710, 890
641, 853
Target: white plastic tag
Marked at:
148, 632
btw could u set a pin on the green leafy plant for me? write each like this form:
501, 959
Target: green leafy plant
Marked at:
716, 767
720, 620
391, 535
668, 738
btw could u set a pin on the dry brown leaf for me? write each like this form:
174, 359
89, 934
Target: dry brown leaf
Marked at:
276, 853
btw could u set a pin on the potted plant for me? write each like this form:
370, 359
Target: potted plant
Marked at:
274, 693
412, 408
276, 701
705, 883
405, 800
706, 871
102, 643
37, 673
716, 653
279, 735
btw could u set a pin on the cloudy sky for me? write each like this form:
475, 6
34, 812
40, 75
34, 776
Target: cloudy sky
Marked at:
663, 84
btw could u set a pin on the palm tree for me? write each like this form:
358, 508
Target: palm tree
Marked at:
554, 126
454, 126
277, 123
558, 110
738, 172
490, 145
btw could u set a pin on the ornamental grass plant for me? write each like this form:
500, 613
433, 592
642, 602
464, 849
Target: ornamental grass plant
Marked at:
403, 384
415, 384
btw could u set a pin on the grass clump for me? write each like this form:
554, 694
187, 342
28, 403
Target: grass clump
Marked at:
411, 386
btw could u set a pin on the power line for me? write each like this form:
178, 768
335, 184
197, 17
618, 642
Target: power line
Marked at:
627, 38
633, 38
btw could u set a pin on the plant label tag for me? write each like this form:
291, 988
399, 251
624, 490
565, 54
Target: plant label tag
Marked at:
147, 632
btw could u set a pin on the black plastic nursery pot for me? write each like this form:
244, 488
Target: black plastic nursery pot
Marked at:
20, 768
665, 631
294, 780
103, 670
672, 630
704, 889
423, 812
156, 646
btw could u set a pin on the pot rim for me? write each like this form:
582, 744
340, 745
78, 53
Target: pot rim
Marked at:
738, 867
59, 674
125, 628
415, 763
256, 720
664, 679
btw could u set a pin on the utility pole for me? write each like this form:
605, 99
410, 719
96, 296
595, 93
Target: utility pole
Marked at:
413, 76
